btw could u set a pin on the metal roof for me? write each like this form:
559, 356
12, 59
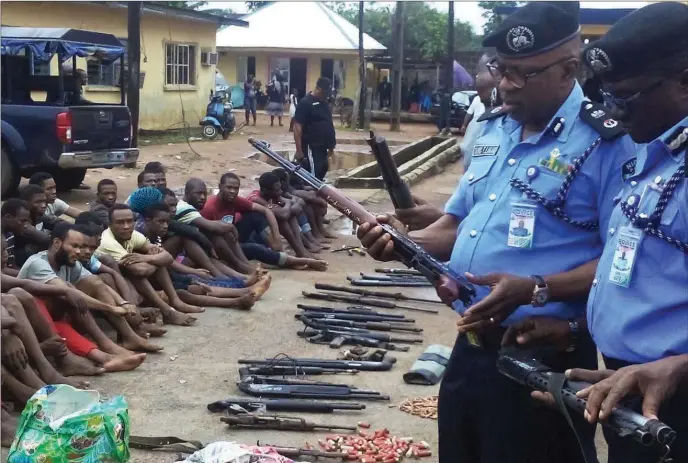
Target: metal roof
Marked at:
59, 33
184, 13
303, 26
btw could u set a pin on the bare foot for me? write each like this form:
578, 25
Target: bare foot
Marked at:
316, 264
54, 346
124, 362
71, 365
253, 278
9, 428
312, 248
56, 378
330, 235
245, 302
139, 344
150, 314
114, 349
183, 307
153, 331
259, 288
178, 318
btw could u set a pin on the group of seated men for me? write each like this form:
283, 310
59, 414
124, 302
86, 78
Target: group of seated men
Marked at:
135, 266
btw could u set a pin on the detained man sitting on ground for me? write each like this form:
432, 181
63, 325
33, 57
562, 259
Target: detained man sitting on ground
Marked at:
106, 197
15, 220
256, 225
197, 286
145, 179
55, 206
158, 168
140, 261
224, 236
59, 266
34, 238
297, 187
286, 212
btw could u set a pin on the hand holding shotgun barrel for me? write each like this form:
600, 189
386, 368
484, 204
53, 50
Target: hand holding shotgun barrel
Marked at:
450, 285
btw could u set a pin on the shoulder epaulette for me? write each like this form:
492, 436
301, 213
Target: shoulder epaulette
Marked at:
597, 117
494, 113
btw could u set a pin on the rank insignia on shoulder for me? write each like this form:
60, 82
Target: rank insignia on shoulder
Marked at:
493, 113
628, 168
597, 117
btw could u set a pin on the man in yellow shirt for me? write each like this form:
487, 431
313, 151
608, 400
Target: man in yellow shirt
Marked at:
142, 262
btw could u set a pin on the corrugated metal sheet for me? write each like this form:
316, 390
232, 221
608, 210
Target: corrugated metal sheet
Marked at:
295, 25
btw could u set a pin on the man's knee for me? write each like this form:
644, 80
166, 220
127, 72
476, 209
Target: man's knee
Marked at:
107, 279
12, 303
141, 270
21, 294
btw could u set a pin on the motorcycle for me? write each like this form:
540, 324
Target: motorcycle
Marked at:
219, 118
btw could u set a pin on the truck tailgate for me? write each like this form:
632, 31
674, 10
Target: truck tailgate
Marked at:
100, 127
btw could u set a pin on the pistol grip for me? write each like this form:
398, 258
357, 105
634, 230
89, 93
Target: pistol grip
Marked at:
447, 290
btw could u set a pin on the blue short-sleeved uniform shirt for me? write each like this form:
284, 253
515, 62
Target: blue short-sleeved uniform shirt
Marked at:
638, 305
484, 200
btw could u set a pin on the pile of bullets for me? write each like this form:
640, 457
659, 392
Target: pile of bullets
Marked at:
376, 446
424, 407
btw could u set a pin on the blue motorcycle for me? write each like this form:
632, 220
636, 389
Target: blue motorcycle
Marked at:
219, 118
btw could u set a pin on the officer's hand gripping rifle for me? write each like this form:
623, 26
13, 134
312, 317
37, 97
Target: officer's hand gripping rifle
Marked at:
409, 253
528, 371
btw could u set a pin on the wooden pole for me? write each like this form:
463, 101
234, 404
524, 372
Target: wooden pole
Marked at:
449, 71
361, 70
133, 62
397, 66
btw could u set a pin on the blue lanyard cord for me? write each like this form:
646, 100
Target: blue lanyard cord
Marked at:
650, 225
556, 207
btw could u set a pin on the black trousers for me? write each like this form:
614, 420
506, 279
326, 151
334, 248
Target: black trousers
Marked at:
485, 417
674, 412
316, 161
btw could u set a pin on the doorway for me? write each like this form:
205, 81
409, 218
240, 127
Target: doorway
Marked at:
297, 75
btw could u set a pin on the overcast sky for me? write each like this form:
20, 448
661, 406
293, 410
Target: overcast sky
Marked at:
466, 11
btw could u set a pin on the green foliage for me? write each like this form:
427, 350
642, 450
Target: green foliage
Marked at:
187, 5
425, 28
492, 19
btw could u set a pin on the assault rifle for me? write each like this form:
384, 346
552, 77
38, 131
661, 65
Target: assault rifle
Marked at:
363, 300
324, 363
296, 453
398, 271
408, 252
399, 191
393, 283
244, 405
337, 339
348, 331
279, 423
279, 370
260, 388
368, 293
530, 372
354, 310
368, 325
391, 277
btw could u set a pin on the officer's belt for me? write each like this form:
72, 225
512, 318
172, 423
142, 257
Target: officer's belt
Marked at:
490, 340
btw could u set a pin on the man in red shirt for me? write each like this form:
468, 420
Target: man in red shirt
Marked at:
254, 223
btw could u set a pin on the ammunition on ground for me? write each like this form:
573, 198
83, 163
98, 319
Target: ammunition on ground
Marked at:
280, 423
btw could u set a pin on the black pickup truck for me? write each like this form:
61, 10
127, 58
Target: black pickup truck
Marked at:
63, 134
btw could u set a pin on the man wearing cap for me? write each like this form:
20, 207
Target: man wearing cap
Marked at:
638, 306
533, 202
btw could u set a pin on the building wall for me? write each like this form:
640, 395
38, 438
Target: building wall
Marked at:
227, 65
160, 105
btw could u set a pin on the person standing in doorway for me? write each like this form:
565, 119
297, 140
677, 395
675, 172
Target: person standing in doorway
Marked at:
275, 100
293, 102
250, 98
314, 131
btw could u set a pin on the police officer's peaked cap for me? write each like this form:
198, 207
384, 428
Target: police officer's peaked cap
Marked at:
640, 42
535, 28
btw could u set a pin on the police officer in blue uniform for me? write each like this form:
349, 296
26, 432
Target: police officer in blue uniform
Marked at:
525, 221
638, 306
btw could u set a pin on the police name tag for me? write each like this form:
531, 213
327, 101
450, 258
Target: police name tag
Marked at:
485, 150
627, 244
521, 225
228, 219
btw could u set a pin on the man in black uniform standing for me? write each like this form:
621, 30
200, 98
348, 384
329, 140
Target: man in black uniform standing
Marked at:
314, 130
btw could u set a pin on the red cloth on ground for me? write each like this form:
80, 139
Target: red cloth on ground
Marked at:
74, 341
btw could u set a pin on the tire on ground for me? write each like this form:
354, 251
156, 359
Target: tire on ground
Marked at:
10, 175
69, 179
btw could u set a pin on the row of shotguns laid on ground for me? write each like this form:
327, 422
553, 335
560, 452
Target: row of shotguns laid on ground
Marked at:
522, 367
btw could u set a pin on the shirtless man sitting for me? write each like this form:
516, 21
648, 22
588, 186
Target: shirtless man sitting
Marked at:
140, 261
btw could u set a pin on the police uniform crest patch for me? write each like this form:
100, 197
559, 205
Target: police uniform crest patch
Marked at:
598, 60
628, 168
520, 38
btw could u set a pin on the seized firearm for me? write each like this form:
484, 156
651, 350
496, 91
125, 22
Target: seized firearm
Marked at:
399, 191
408, 252
363, 300
256, 387
354, 310
367, 325
399, 271
368, 293
530, 372
279, 423
337, 340
345, 330
353, 317
279, 370
324, 363
244, 405
392, 277
395, 283
257, 372
296, 453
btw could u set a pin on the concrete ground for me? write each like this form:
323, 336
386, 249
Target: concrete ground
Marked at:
168, 397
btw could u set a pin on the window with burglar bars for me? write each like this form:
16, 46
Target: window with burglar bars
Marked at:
105, 74
180, 64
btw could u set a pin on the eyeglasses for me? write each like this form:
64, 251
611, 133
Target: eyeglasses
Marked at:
624, 104
499, 71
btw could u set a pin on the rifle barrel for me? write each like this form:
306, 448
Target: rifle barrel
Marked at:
389, 283
369, 293
362, 300
398, 190
399, 271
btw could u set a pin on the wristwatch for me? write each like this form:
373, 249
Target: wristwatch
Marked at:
540, 292
575, 330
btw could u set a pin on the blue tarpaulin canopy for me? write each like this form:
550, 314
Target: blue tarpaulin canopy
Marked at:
44, 42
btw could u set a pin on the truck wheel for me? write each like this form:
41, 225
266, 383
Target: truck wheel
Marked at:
209, 132
10, 175
69, 179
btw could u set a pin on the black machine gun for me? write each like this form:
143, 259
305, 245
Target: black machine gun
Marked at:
279, 423
243, 405
286, 388
295, 363
530, 372
399, 192
455, 287
337, 339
